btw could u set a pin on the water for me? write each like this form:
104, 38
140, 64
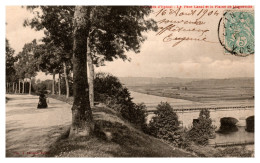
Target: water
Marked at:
152, 101
240, 114
239, 136
187, 117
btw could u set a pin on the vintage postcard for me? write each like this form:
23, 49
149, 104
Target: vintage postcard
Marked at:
130, 81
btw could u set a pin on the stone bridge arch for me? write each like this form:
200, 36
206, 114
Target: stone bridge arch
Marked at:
250, 124
186, 117
228, 124
239, 114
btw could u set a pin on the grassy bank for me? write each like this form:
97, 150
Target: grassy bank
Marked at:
62, 98
209, 151
113, 137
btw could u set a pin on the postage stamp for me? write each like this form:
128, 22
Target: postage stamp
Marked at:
239, 32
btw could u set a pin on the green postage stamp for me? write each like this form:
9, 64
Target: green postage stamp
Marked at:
239, 32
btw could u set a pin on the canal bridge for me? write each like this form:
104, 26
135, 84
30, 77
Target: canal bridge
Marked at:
186, 115
189, 110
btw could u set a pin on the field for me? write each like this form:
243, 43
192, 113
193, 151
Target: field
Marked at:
197, 90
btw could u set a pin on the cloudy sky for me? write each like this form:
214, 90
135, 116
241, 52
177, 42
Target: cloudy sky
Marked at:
189, 59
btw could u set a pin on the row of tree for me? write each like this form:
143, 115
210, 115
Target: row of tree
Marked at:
33, 58
78, 38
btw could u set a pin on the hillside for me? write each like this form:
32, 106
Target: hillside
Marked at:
121, 140
138, 81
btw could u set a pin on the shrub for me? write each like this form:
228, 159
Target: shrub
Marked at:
202, 130
109, 90
107, 85
135, 114
165, 124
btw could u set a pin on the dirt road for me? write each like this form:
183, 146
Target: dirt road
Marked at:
30, 131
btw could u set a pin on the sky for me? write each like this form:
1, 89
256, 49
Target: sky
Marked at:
189, 59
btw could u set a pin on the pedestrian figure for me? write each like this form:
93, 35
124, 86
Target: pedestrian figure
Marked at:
42, 101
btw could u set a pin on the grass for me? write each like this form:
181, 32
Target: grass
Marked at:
124, 141
208, 151
62, 98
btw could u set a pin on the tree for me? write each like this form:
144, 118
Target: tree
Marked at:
20, 72
110, 40
117, 97
9, 65
113, 31
49, 59
165, 122
27, 64
66, 78
56, 21
82, 120
203, 129
109, 32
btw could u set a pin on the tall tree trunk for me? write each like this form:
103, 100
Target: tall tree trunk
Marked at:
23, 86
59, 85
13, 86
82, 120
90, 76
66, 80
69, 73
53, 82
30, 87
7, 87
19, 86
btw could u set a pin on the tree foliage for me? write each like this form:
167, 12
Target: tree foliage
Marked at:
164, 124
48, 58
113, 30
56, 21
10, 60
202, 130
108, 89
27, 63
105, 32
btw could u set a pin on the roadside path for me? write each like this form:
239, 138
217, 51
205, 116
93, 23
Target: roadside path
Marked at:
30, 131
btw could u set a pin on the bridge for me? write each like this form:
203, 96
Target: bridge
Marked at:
189, 110
226, 144
186, 115
209, 108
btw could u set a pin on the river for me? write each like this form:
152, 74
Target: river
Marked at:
152, 101
186, 118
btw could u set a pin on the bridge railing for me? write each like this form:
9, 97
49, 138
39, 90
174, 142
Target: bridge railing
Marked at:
209, 108
225, 144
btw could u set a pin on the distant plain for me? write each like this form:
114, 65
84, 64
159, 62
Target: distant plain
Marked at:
231, 90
